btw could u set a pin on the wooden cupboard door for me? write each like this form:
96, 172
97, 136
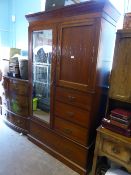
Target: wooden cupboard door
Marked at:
76, 55
120, 85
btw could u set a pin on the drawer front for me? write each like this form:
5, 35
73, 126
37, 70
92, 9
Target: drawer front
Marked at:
76, 98
17, 121
117, 150
71, 113
59, 144
71, 130
18, 87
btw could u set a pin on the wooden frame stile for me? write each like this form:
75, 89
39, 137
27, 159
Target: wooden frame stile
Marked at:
30, 72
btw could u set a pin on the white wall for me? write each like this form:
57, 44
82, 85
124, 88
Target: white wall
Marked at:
20, 25
122, 7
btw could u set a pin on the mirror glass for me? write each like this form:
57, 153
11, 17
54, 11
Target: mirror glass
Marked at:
42, 56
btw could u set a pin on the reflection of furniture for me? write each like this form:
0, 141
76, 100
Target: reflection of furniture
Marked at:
42, 54
114, 146
15, 103
41, 85
79, 73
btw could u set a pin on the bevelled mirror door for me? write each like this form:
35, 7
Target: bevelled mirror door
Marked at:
42, 56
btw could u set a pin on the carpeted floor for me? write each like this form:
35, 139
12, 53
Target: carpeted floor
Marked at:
19, 156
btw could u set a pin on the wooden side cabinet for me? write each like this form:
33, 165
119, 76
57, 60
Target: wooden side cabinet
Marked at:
15, 103
115, 147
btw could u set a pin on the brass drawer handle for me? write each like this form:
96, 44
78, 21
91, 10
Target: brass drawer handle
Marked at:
115, 150
71, 98
70, 114
68, 131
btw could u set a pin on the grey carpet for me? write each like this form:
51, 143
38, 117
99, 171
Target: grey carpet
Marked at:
19, 156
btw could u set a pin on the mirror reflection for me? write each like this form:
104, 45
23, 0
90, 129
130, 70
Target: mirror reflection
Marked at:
42, 56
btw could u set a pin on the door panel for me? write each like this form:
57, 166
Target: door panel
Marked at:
76, 54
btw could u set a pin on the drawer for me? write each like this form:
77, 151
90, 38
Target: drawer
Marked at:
63, 146
117, 150
18, 87
72, 113
17, 121
71, 130
73, 97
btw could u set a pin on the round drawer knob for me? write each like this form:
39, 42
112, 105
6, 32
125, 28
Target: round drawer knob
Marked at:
71, 98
